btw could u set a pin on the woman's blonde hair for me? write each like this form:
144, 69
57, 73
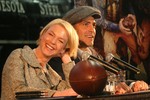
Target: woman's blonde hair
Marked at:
73, 40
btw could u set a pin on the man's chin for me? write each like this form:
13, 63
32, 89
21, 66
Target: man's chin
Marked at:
83, 45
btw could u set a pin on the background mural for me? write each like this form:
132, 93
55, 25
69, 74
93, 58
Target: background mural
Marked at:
133, 48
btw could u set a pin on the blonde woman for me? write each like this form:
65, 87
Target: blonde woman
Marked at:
27, 69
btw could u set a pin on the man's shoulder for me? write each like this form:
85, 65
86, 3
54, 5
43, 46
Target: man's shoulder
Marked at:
95, 53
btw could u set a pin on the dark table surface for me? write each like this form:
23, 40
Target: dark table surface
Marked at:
143, 95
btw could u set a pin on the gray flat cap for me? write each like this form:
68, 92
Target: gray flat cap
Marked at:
77, 14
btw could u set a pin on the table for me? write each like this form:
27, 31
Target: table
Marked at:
143, 95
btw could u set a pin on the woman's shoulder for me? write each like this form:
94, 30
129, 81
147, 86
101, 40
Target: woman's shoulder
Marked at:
16, 51
19, 51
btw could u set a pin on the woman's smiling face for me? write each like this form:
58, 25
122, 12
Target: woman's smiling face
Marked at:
53, 41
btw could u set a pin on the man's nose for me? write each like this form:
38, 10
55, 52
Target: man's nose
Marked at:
92, 29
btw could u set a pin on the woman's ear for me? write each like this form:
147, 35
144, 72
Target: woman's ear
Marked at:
67, 50
62, 52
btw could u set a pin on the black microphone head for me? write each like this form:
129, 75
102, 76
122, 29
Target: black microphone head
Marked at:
109, 57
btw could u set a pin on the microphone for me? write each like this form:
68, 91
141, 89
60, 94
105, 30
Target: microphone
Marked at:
85, 55
111, 57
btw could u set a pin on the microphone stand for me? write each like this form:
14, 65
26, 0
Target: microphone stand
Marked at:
84, 56
129, 66
106, 65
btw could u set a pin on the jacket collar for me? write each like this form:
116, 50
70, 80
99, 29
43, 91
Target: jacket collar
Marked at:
29, 56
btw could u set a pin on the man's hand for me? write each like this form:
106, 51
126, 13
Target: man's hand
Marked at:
122, 88
140, 86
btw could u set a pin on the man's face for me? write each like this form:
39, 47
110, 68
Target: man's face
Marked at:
86, 31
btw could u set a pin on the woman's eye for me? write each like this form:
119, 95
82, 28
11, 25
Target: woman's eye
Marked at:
61, 41
51, 34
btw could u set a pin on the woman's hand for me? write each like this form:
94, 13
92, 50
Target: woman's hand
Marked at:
67, 92
65, 58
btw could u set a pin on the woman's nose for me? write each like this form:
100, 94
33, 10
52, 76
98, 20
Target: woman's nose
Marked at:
54, 40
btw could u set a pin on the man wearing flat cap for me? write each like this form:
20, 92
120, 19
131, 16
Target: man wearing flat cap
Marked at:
78, 14
83, 20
